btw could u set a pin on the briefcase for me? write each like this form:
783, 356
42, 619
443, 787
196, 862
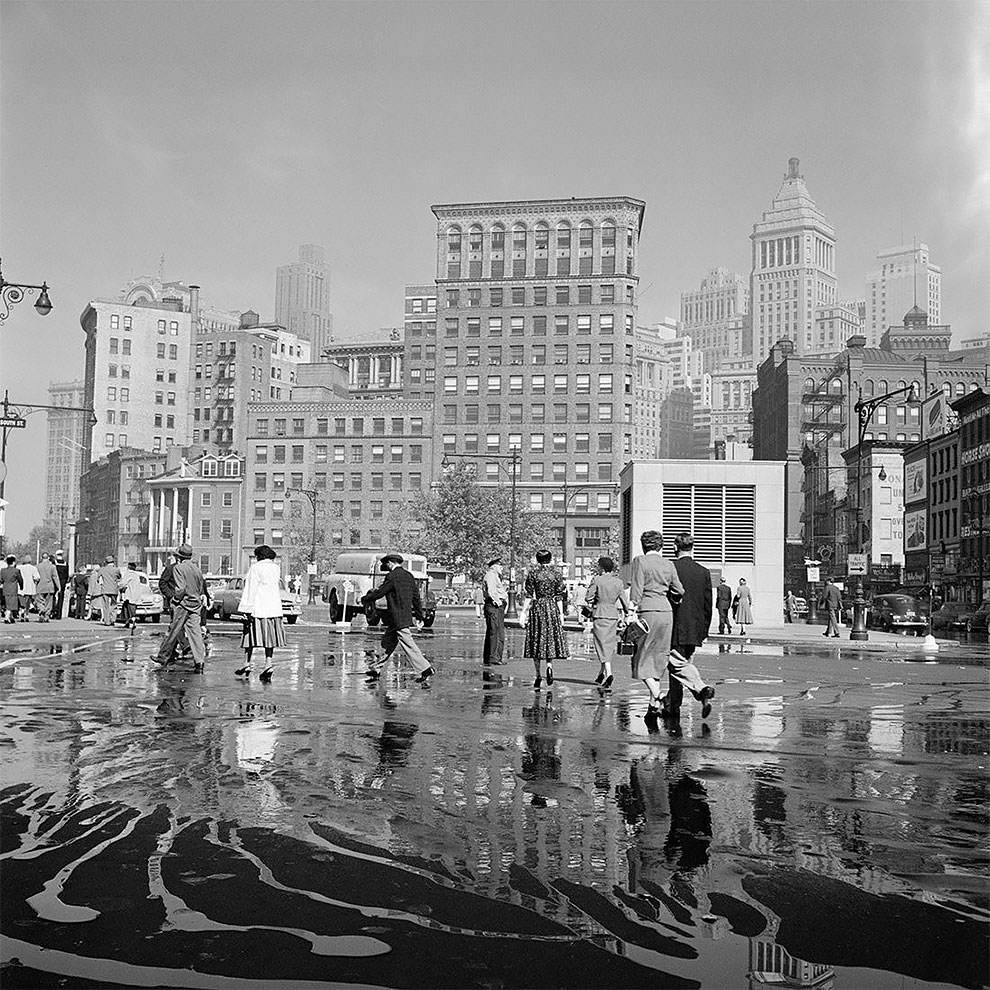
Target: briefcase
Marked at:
630, 638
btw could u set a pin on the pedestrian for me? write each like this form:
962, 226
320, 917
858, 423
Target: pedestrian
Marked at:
261, 608
187, 606
131, 593
654, 582
546, 594
742, 606
168, 590
95, 594
109, 589
80, 588
479, 600
495, 598
404, 605
692, 620
723, 602
47, 588
11, 582
29, 588
63, 583
790, 607
605, 596
832, 604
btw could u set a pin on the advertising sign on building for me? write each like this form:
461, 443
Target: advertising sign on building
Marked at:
916, 480
886, 573
915, 529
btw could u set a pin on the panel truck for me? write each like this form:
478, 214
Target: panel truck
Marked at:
357, 572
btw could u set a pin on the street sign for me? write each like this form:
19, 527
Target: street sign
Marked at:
814, 575
856, 564
13, 422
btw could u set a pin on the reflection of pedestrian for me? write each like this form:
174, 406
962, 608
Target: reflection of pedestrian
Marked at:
47, 589
11, 582
495, 598
401, 593
692, 619
653, 579
723, 602
544, 631
261, 606
605, 595
187, 604
832, 603
742, 606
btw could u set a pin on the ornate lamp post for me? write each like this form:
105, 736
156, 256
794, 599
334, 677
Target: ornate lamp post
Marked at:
12, 293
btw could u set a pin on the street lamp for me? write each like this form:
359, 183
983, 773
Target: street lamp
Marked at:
12, 293
515, 457
865, 408
313, 495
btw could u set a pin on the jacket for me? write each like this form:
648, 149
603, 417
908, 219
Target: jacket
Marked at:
95, 589
832, 598
401, 593
109, 579
262, 596
189, 585
80, 582
604, 595
11, 580
166, 583
723, 598
131, 587
48, 582
31, 576
693, 614
652, 577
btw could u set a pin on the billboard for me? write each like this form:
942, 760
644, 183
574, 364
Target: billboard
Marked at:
916, 480
916, 529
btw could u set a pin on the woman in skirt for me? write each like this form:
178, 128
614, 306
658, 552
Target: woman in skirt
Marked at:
261, 606
605, 596
544, 630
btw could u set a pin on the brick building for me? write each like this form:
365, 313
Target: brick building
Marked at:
973, 410
420, 340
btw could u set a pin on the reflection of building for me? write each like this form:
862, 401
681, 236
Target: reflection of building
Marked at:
735, 509
905, 278
302, 298
66, 433
772, 964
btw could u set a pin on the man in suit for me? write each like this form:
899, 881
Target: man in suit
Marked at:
496, 598
723, 602
401, 593
832, 603
692, 619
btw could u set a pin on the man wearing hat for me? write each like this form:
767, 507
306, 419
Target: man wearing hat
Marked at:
401, 594
48, 585
62, 568
109, 589
187, 591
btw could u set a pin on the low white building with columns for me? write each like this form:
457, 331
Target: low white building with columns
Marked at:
373, 367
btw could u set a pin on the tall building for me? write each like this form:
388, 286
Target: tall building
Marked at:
716, 317
137, 367
64, 458
420, 326
732, 405
905, 278
793, 268
302, 298
374, 366
834, 325
535, 349
973, 411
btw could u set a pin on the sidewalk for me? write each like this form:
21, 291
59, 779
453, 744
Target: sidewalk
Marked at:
800, 632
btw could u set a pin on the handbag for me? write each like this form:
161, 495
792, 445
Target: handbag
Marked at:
587, 612
632, 635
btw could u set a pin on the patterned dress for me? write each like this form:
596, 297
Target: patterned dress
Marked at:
544, 633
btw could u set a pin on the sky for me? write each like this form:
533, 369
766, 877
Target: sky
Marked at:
223, 135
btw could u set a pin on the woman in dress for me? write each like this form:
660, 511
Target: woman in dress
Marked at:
544, 632
261, 606
605, 596
654, 579
743, 606
11, 583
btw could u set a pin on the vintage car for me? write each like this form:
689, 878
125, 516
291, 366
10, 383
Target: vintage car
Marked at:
954, 617
897, 613
227, 598
356, 572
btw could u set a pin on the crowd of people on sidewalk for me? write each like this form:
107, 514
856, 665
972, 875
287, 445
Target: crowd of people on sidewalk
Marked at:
28, 585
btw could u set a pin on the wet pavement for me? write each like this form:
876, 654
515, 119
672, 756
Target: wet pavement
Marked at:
826, 827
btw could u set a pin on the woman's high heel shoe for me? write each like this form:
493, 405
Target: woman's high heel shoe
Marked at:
549, 675
538, 681
600, 677
243, 671
607, 683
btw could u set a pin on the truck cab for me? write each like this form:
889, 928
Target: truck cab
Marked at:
357, 572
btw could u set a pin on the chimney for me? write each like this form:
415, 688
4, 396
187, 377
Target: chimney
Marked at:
194, 305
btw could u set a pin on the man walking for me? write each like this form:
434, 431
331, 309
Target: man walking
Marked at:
48, 585
187, 590
109, 590
832, 603
692, 619
723, 602
63, 584
131, 592
495, 600
80, 589
790, 607
401, 593
29, 587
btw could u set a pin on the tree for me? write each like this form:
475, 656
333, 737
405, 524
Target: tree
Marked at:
47, 534
298, 538
464, 525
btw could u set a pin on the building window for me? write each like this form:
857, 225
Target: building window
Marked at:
204, 529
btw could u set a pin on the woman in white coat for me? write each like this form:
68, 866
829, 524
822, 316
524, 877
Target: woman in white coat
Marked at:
261, 606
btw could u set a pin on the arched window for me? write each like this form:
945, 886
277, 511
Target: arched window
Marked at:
868, 387
973, 386
519, 237
947, 390
809, 385
474, 237
608, 234
882, 387
960, 388
563, 236
835, 386
498, 237
454, 240
585, 234
542, 236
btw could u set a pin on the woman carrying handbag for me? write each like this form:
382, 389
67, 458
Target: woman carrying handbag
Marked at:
605, 595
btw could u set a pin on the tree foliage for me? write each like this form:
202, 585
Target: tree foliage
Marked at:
47, 534
464, 524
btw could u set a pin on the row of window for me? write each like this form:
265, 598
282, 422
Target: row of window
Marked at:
322, 453
536, 295
325, 481
561, 384
519, 266
580, 412
560, 443
516, 354
536, 326
476, 235
353, 426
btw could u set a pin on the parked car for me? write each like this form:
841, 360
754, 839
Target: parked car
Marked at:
800, 608
954, 617
356, 572
897, 613
227, 598
151, 606
981, 619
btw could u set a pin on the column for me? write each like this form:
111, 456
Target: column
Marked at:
161, 517
175, 513
151, 519
352, 371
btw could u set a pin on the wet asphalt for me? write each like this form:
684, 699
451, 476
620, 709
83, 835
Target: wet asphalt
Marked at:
826, 826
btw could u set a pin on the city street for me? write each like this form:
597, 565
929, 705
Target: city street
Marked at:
825, 827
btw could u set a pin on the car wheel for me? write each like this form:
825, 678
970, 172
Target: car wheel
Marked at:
333, 606
291, 619
428, 620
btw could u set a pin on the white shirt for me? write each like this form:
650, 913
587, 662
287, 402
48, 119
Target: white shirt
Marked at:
261, 596
31, 577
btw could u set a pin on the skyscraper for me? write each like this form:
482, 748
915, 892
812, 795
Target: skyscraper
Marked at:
904, 279
793, 268
302, 298
716, 316
66, 434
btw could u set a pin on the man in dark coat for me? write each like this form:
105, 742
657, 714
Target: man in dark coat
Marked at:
63, 583
401, 594
80, 589
832, 603
723, 602
692, 619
